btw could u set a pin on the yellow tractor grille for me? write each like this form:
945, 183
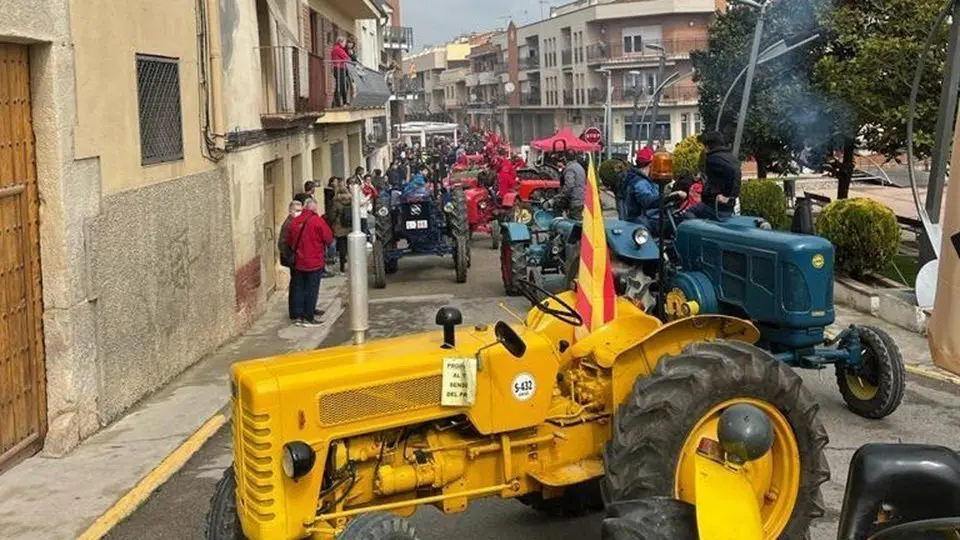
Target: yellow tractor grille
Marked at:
254, 464
390, 398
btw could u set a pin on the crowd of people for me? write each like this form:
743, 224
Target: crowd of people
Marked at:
311, 243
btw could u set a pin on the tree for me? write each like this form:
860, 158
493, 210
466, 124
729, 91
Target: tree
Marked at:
783, 105
868, 67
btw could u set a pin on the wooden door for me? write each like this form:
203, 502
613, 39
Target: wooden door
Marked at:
23, 415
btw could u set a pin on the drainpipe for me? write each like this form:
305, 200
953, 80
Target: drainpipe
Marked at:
216, 70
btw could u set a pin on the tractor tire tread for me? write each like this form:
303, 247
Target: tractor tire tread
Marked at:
653, 518
222, 522
461, 258
379, 265
652, 424
892, 378
379, 526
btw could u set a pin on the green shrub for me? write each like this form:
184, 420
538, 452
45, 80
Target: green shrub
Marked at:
610, 172
765, 199
864, 233
687, 155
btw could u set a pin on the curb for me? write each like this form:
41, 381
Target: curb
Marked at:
177, 458
154, 479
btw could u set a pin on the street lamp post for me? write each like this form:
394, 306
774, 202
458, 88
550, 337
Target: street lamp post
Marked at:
751, 70
608, 112
654, 130
634, 143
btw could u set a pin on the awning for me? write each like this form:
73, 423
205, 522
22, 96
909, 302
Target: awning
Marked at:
564, 140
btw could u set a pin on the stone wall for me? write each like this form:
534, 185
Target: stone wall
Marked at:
162, 278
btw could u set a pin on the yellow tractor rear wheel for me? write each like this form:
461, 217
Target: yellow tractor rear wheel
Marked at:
657, 430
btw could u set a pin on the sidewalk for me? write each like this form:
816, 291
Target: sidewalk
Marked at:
48, 498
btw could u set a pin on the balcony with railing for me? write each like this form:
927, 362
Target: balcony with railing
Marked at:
566, 57
377, 137
567, 97
293, 88
531, 98
677, 94
612, 53
353, 92
408, 88
500, 68
398, 38
530, 62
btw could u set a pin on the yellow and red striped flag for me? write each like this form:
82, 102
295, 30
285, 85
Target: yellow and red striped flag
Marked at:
596, 297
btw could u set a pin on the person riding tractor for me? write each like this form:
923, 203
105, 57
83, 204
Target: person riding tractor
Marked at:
639, 197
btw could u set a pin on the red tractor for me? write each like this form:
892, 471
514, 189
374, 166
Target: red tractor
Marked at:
485, 212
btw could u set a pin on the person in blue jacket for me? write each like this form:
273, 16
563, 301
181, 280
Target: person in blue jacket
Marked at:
639, 200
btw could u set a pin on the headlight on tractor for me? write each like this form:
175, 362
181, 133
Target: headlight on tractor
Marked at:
383, 211
641, 236
448, 208
298, 459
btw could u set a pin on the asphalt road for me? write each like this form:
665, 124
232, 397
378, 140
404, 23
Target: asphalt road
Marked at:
930, 414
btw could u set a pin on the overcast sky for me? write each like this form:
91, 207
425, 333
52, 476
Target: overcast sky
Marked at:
437, 21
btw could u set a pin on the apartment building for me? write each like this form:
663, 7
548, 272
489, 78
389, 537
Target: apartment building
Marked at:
423, 88
530, 80
148, 151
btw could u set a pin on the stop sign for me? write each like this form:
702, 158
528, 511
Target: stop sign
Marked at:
592, 135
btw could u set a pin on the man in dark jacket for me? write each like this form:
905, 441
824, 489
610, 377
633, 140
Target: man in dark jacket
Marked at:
722, 171
309, 235
573, 188
285, 249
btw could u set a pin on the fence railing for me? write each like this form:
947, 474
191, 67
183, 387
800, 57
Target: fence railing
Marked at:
398, 37
292, 81
612, 52
530, 99
530, 62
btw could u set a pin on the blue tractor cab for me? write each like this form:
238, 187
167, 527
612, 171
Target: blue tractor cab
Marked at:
783, 282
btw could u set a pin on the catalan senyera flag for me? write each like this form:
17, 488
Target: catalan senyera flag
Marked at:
596, 297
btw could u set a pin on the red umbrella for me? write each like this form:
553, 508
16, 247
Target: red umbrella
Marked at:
565, 140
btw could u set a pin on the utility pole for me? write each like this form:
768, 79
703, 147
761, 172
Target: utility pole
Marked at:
608, 111
944, 131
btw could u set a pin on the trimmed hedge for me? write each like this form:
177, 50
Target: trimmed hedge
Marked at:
610, 172
864, 233
687, 156
765, 199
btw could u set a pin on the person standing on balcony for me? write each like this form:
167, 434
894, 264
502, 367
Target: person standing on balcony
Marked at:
340, 58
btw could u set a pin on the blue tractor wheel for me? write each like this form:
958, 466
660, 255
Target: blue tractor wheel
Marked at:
875, 388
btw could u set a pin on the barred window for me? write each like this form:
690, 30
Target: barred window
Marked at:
158, 96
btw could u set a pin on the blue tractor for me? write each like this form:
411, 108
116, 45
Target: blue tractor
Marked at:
783, 282
548, 253
420, 220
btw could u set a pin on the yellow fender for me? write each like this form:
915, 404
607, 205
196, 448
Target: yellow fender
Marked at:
726, 503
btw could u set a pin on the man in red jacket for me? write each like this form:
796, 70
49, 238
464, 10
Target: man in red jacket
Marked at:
308, 235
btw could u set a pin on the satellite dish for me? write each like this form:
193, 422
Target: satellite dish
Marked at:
926, 285
509, 87
473, 97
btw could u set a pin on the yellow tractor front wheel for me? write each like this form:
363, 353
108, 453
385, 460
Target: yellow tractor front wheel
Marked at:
658, 428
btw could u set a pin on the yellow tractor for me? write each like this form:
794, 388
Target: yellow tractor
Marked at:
683, 426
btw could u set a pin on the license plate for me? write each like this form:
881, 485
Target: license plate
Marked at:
417, 224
